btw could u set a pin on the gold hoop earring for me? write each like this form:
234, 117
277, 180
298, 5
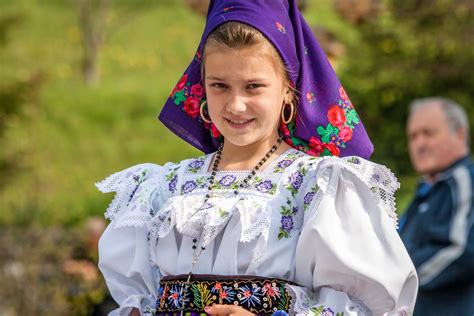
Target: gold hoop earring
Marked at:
201, 111
284, 120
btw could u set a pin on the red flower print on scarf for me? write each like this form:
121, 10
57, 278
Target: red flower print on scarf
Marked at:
345, 134
191, 107
316, 146
343, 94
333, 149
336, 116
197, 90
182, 82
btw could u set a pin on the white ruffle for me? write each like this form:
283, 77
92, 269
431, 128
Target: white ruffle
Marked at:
136, 189
304, 301
143, 304
204, 222
378, 178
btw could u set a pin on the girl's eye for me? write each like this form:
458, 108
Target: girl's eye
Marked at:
218, 85
253, 86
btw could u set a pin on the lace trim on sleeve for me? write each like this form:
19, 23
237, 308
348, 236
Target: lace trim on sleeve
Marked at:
306, 302
143, 304
138, 189
378, 178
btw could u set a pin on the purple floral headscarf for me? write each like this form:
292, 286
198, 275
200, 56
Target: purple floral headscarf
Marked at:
326, 122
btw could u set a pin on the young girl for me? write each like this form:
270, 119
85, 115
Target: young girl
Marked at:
258, 225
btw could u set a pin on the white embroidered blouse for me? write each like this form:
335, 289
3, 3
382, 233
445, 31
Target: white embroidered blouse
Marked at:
327, 224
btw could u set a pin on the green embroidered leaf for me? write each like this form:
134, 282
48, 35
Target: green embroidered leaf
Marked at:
317, 310
304, 171
179, 97
197, 296
286, 211
223, 213
202, 295
340, 314
352, 117
200, 181
327, 132
283, 234
282, 301
326, 152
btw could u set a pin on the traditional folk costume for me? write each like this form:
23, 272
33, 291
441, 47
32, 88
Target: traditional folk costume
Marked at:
311, 233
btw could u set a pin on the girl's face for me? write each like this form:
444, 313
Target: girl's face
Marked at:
245, 94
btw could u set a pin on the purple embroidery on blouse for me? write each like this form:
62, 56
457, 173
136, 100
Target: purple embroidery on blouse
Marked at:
227, 180
287, 223
327, 312
285, 163
308, 197
172, 184
189, 186
264, 186
196, 164
296, 179
376, 177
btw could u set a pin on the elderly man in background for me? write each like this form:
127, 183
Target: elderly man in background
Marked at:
437, 227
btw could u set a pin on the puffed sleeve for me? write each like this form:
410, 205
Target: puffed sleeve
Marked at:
124, 258
349, 257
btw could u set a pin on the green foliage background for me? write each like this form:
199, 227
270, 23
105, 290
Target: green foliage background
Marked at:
71, 135
59, 136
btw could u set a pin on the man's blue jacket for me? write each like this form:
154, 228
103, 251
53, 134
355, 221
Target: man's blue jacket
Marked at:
437, 229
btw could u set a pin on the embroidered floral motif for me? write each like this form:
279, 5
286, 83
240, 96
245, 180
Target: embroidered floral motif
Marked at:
280, 27
224, 293
137, 178
172, 179
296, 179
354, 160
188, 187
308, 198
227, 180
264, 186
310, 97
249, 295
195, 165
260, 296
231, 182
287, 211
288, 161
324, 311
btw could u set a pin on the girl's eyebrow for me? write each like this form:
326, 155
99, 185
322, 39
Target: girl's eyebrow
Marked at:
256, 79
214, 78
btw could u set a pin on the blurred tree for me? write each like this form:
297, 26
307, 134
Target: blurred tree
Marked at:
410, 49
92, 19
98, 21
14, 97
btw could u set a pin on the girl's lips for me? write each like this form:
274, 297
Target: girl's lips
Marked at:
239, 123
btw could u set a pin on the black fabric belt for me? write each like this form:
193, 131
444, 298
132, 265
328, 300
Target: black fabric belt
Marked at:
258, 295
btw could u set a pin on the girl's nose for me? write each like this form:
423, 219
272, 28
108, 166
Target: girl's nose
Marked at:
236, 104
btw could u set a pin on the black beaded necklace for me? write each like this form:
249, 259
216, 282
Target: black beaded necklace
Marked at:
212, 180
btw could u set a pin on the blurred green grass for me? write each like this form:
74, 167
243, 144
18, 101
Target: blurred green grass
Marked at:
75, 135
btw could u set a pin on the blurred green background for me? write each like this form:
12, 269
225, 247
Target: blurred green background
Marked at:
81, 84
